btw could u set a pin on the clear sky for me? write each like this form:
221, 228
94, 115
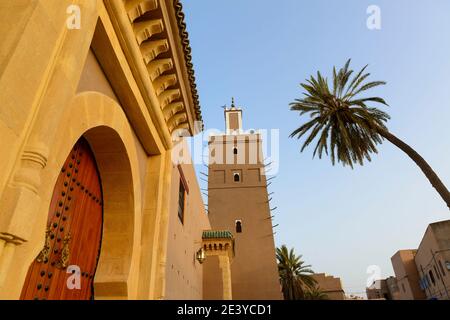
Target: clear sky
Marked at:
258, 51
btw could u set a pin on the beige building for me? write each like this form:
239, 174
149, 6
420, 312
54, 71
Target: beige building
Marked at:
92, 98
424, 273
383, 289
378, 290
407, 276
184, 274
94, 202
432, 260
330, 285
392, 285
238, 201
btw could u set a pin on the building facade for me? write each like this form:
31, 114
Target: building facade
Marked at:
94, 200
330, 285
407, 276
432, 261
392, 285
383, 289
423, 273
91, 98
184, 274
378, 290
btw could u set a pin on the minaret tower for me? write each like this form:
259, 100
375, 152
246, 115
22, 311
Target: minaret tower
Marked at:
238, 201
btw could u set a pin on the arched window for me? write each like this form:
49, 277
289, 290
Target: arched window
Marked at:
235, 151
238, 226
236, 177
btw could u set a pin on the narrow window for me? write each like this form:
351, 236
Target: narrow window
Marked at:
235, 150
236, 177
442, 268
181, 201
432, 277
437, 273
238, 226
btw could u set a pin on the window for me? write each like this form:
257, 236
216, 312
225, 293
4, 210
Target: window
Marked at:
442, 268
235, 151
432, 277
437, 273
238, 226
427, 277
181, 201
236, 177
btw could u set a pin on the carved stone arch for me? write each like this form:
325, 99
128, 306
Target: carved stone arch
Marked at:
103, 123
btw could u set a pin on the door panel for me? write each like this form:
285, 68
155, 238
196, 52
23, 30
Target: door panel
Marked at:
74, 232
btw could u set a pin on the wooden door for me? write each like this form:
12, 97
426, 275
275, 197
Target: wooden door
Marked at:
73, 235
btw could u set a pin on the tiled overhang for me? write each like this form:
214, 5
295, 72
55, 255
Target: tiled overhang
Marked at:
216, 242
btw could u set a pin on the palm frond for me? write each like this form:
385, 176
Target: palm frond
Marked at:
344, 125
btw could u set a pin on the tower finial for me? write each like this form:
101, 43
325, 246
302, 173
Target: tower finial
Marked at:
232, 102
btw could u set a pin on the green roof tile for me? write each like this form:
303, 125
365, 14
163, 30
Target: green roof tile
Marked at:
217, 234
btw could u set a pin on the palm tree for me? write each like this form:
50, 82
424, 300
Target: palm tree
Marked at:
315, 294
348, 130
295, 276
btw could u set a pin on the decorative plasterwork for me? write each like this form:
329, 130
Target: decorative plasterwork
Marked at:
137, 8
151, 35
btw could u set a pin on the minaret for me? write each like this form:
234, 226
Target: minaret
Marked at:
233, 119
238, 201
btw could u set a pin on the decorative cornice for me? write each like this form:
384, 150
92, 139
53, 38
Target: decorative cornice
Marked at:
161, 59
188, 57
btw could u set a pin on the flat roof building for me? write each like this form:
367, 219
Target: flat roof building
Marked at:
407, 275
330, 285
433, 261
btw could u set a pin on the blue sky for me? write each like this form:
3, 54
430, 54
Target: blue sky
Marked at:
258, 51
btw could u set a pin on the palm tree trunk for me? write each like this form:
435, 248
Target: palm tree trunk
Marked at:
423, 165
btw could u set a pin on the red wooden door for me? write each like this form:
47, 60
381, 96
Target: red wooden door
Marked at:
73, 235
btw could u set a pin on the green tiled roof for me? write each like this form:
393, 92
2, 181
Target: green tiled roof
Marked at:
217, 234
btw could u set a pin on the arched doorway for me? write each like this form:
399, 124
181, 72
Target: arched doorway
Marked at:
65, 268
102, 122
